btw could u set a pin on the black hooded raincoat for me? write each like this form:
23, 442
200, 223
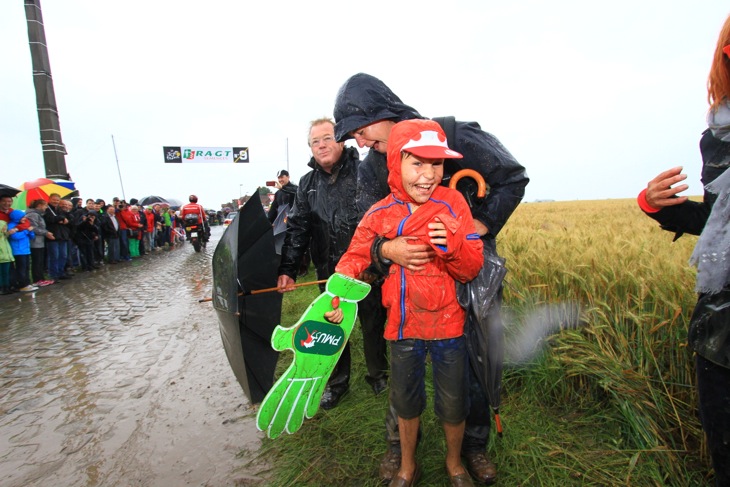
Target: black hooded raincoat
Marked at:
364, 99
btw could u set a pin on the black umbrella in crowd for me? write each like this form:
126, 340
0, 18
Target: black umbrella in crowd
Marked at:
245, 260
6, 190
152, 200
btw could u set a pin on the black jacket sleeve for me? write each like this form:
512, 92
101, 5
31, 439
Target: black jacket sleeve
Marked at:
691, 216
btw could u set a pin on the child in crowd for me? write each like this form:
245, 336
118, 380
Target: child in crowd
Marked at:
424, 316
21, 233
6, 259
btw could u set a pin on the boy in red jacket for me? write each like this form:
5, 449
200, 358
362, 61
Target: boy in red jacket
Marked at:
424, 316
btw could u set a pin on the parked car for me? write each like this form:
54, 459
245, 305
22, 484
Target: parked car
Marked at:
229, 218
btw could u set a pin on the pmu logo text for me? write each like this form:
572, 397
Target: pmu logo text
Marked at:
318, 338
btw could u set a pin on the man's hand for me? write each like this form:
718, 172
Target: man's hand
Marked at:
285, 284
659, 191
405, 253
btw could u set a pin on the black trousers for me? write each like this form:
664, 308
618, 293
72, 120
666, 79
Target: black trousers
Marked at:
38, 264
713, 387
372, 323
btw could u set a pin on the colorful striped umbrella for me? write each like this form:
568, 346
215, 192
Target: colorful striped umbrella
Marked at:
66, 184
40, 188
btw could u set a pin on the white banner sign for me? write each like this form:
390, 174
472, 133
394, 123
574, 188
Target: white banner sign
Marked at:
178, 154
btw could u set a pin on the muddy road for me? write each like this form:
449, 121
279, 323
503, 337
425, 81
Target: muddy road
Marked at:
118, 377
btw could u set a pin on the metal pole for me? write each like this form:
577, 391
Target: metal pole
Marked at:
287, 154
124, 197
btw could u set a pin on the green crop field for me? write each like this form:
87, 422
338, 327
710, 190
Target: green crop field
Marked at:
598, 383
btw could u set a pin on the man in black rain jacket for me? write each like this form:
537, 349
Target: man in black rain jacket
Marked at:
284, 196
366, 109
323, 219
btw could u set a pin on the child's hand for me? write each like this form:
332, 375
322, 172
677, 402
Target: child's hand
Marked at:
437, 232
335, 316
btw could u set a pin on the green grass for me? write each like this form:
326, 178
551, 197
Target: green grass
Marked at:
610, 402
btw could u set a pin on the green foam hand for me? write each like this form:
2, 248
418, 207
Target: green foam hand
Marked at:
317, 345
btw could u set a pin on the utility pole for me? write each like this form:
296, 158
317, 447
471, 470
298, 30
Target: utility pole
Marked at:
54, 151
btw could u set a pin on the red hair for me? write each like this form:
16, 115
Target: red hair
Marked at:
718, 82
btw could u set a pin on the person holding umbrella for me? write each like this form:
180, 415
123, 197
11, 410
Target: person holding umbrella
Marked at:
366, 110
324, 214
6, 203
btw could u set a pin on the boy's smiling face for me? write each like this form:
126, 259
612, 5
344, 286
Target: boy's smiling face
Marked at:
420, 176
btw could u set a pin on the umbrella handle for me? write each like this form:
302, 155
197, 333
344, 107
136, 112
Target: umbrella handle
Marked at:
470, 173
270, 289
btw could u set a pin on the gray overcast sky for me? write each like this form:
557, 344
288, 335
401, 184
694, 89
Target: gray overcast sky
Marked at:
593, 98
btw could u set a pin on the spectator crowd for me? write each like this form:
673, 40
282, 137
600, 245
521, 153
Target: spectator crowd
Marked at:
55, 239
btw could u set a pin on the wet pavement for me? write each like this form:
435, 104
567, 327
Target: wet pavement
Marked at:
119, 377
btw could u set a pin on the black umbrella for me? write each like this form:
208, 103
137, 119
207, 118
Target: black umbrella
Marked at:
484, 336
152, 200
280, 227
245, 260
483, 328
6, 190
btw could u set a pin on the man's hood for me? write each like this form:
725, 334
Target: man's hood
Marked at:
363, 100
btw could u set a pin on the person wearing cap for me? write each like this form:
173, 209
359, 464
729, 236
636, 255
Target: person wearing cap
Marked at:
366, 109
424, 315
284, 196
323, 219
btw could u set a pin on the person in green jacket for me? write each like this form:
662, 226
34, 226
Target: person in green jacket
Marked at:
167, 223
6, 259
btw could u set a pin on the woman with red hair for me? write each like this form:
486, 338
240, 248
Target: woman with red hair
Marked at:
709, 329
